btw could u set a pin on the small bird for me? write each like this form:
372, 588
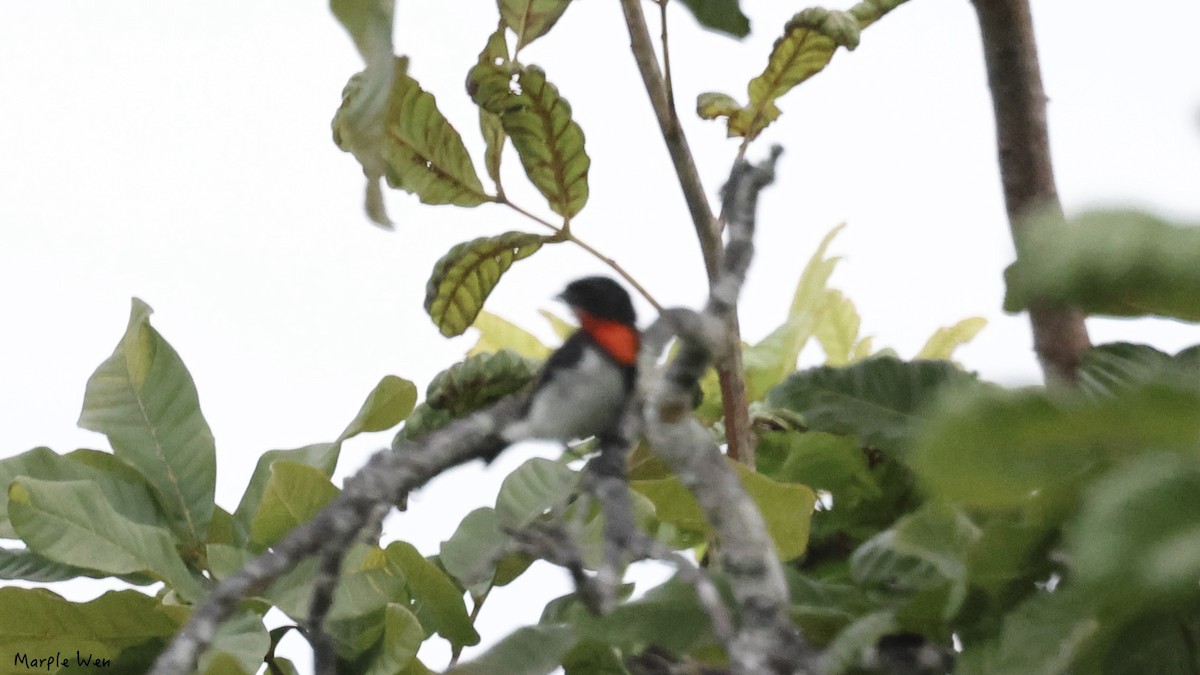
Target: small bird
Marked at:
582, 388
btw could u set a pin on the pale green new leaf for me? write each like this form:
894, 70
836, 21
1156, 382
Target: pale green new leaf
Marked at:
539, 122
145, 401
70, 522
294, 493
463, 278
837, 329
774, 358
560, 327
388, 403
944, 341
424, 153
533, 488
496, 333
38, 622
531, 19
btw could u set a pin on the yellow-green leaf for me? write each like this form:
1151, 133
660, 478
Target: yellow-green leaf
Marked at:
837, 329
539, 122
944, 341
466, 275
561, 328
774, 358
805, 48
531, 19
496, 333
713, 104
424, 155
388, 403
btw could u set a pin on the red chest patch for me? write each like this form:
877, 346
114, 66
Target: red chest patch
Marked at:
619, 340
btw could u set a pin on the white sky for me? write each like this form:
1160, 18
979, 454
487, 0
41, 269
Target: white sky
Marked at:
181, 152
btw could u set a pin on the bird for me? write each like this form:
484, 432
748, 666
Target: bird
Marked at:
583, 387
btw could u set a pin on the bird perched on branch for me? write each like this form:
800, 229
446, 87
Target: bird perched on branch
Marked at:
583, 387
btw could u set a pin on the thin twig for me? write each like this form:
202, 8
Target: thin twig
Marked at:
735, 406
565, 234
1010, 51
668, 84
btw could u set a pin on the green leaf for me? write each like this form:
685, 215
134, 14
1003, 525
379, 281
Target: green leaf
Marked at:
294, 493
1136, 540
402, 636
29, 566
463, 278
805, 48
878, 400
533, 488
847, 651
1116, 263
241, 642
1107, 370
39, 623
1045, 635
786, 508
539, 122
994, 448
868, 12
532, 650
321, 456
668, 616
144, 400
388, 403
496, 333
470, 554
771, 360
70, 522
819, 460
124, 488
358, 124
495, 52
720, 15
433, 591
944, 341
424, 153
923, 559
1156, 644
823, 608
531, 19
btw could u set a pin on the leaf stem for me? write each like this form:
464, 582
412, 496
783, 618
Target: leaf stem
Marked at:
564, 233
476, 605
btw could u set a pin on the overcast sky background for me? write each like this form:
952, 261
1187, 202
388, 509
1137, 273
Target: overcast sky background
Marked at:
181, 152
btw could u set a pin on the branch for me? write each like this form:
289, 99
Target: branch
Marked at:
731, 375
1019, 101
